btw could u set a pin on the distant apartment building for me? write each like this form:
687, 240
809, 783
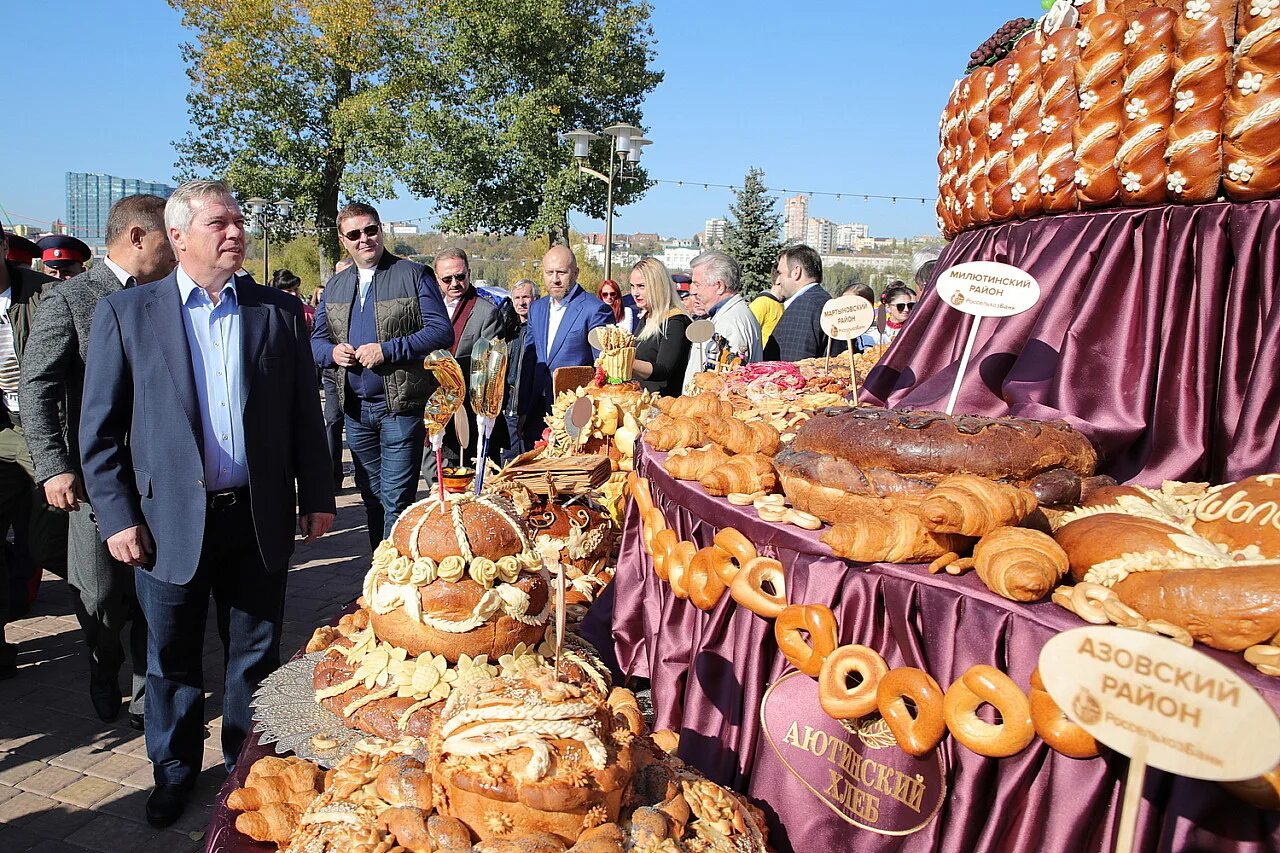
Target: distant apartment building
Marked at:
90, 197
851, 235
644, 237
402, 229
713, 232
680, 242
795, 218
820, 235
678, 259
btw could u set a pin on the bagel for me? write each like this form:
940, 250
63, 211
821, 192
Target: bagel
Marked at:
663, 544
739, 547
678, 560
919, 734
986, 684
640, 492
747, 587
838, 699
1062, 735
704, 579
819, 622
653, 524
1088, 599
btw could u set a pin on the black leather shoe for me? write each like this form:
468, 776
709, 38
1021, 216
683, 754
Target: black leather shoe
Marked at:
136, 722
166, 804
106, 705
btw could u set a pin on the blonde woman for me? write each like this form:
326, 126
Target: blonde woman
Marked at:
662, 350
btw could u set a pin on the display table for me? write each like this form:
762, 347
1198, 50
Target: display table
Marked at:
710, 671
1156, 336
221, 836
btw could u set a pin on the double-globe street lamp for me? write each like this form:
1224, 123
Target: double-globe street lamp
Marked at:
625, 147
265, 212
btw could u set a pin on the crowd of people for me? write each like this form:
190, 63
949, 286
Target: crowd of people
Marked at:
168, 426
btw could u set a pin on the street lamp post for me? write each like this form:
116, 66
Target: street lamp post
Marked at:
624, 148
264, 212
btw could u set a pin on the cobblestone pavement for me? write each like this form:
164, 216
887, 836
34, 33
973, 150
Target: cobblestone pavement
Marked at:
70, 782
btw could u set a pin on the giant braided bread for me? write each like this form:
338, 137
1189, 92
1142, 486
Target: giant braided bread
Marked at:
1148, 107
1024, 116
975, 121
999, 150
1099, 80
978, 196
1251, 147
1201, 71
1059, 106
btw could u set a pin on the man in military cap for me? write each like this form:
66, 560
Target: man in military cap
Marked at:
20, 292
21, 251
63, 256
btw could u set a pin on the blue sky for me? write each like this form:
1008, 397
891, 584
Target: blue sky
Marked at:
824, 96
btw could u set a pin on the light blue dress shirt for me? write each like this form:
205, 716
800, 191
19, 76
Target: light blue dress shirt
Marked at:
213, 334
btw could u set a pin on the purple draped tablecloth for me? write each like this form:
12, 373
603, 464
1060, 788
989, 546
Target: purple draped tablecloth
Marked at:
1156, 335
710, 670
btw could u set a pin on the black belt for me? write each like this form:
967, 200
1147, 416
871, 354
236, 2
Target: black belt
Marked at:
227, 498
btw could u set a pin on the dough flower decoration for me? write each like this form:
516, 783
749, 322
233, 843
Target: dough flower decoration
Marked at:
1176, 183
1081, 178
1131, 181
1083, 38
378, 666
1136, 29
1048, 183
1263, 8
1240, 171
1250, 82
1019, 137
1136, 109
519, 659
469, 669
1088, 99
1048, 125
1018, 192
1184, 101
425, 677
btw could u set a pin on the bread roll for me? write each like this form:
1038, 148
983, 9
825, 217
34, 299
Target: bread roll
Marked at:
1230, 608
999, 151
1099, 80
1148, 107
1059, 108
1024, 117
1201, 71
1243, 515
1251, 147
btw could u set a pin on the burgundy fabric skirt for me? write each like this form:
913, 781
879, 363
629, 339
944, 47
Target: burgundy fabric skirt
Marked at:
1156, 335
710, 670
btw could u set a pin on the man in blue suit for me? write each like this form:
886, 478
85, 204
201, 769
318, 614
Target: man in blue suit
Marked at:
203, 451
559, 323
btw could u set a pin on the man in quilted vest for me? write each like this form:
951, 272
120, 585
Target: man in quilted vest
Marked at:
378, 320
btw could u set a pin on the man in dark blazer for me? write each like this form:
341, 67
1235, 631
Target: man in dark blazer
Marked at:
203, 451
138, 252
799, 334
558, 324
474, 319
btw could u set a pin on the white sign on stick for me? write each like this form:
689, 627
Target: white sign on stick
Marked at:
1162, 704
984, 289
847, 317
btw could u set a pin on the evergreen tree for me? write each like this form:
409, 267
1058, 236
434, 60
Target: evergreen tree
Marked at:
753, 234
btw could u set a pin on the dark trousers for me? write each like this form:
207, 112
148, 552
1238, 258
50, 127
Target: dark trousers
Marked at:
39, 531
387, 450
250, 611
106, 607
333, 422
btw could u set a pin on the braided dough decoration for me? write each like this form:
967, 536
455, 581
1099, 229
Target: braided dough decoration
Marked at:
838, 699
999, 165
1099, 80
978, 195
1053, 727
1148, 107
1201, 73
919, 734
819, 622
748, 587
1251, 147
1059, 108
1027, 139
986, 684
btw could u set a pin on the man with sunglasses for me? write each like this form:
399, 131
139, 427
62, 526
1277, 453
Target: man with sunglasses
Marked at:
379, 319
474, 318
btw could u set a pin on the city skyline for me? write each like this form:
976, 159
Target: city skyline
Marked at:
720, 111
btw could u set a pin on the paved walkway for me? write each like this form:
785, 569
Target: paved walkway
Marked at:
70, 782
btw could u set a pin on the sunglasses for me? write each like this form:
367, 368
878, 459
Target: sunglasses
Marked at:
902, 306
368, 231
450, 279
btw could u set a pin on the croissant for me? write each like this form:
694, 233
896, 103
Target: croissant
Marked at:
738, 436
698, 406
974, 506
747, 473
677, 432
275, 822
1019, 564
695, 464
895, 537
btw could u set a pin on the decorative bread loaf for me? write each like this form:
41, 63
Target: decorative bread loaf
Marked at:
978, 196
1201, 72
975, 123
1100, 81
1229, 608
1024, 117
1148, 107
999, 150
1059, 107
1251, 147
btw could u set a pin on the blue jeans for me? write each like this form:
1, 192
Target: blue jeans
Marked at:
387, 450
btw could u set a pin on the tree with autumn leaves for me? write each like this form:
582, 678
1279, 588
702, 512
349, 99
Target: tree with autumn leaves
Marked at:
460, 101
